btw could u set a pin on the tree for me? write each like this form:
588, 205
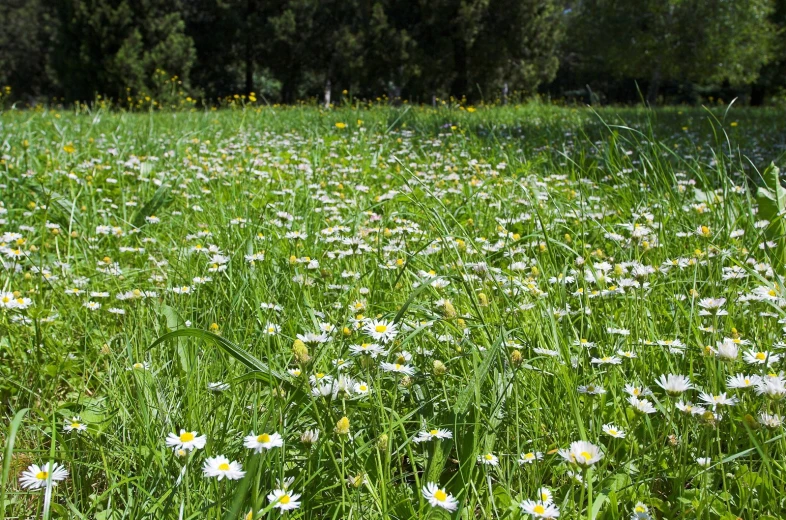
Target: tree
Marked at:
25, 43
702, 41
113, 47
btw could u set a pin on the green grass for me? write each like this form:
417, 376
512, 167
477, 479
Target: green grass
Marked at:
495, 241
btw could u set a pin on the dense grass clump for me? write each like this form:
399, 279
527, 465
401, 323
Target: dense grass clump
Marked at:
392, 313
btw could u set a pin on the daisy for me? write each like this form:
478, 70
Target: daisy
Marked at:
220, 467
361, 388
341, 363
728, 349
35, 477
309, 437
690, 408
641, 405
263, 441
637, 391
381, 330
439, 497
712, 307
75, 424
436, 433
704, 462
540, 509
772, 386
271, 329
545, 495
742, 381
582, 453
674, 384
613, 431
770, 421
186, 441
284, 500
397, 367
488, 458
530, 457
591, 389
640, 512
369, 349
606, 360
760, 358
717, 400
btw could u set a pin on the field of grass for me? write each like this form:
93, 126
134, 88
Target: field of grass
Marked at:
523, 312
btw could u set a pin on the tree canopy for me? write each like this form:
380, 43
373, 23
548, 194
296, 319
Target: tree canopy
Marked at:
481, 50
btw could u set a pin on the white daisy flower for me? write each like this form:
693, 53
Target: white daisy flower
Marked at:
263, 441
582, 453
381, 330
488, 459
540, 509
36, 477
284, 500
186, 441
221, 468
530, 457
438, 497
75, 424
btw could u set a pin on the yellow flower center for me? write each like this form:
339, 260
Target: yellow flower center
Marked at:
612, 432
186, 437
586, 455
363, 388
544, 497
433, 432
441, 495
488, 456
263, 438
761, 356
223, 466
381, 328
75, 425
42, 475
539, 509
284, 499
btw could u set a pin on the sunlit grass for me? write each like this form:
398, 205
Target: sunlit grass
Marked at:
411, 296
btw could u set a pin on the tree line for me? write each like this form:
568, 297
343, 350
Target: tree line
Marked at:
417, 50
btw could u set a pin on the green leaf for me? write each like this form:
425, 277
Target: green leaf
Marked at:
247, 359
772, 206
63, 210
175, 322
161, 198
9, 451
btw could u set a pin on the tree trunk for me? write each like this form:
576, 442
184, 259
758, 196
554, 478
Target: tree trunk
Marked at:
328, 86
654, 86
394, 94
459, 87
758, 94
249, 49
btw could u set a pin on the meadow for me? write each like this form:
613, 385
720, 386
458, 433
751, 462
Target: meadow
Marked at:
491, 312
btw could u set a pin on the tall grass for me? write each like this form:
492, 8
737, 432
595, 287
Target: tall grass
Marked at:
510, 247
